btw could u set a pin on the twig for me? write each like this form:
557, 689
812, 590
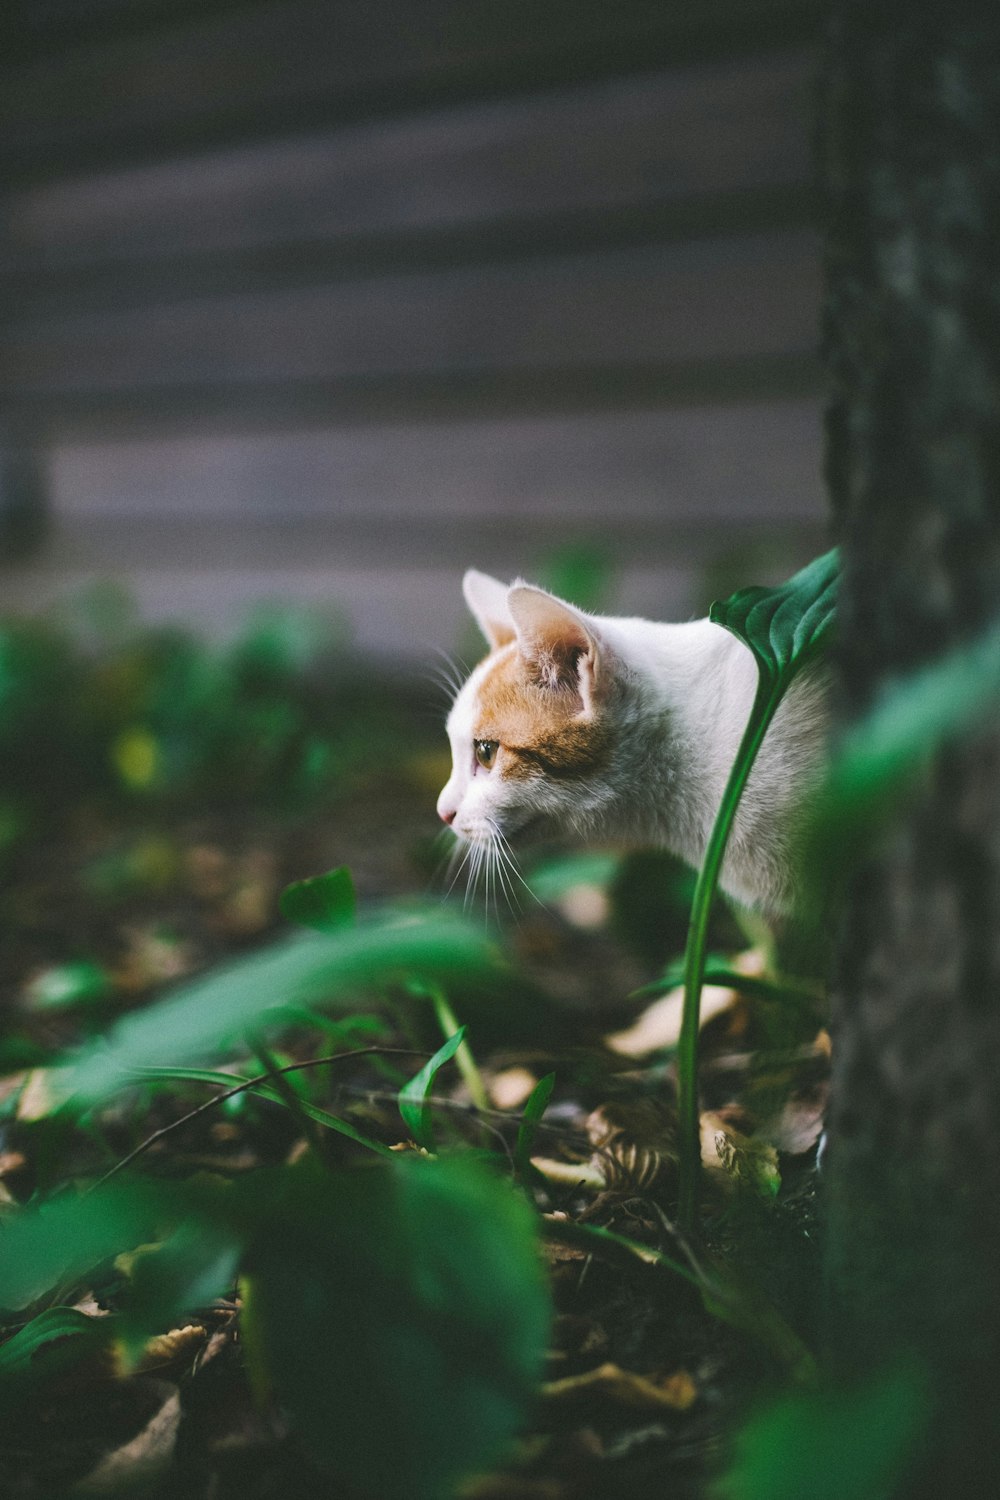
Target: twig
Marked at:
241, 1088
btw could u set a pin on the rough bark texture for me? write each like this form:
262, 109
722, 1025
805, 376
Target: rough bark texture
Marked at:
911, 158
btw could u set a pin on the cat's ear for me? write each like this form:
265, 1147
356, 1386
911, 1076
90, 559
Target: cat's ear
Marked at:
487, 599
560, 643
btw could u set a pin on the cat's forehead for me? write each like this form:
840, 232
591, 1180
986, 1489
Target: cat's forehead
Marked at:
504, 701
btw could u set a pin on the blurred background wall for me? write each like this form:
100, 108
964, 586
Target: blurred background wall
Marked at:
330, 299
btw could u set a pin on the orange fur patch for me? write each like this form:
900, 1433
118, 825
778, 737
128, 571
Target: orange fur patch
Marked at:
539, 726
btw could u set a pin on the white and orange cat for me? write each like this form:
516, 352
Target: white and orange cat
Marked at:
624, 730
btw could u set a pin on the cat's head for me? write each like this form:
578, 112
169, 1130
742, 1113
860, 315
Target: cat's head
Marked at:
532, 729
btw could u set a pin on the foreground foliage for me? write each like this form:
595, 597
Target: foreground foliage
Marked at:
372, 1188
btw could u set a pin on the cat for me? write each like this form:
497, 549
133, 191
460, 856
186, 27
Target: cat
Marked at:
624, 730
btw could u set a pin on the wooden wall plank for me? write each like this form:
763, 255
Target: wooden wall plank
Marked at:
701, 466
754, 295
718, 128
287, 65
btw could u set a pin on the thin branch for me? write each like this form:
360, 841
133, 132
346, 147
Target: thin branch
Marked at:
242, 1087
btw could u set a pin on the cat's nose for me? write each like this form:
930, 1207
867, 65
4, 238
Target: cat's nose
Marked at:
447, 814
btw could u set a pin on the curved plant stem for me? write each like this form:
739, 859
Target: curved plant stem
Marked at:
770, 690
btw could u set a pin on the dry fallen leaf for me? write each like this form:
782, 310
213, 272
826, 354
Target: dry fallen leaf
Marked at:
659, 1026
513, 1487
151, 956
179, 1343
569, 1173
745, 1159
675, 1392
798, 1125
44, 1091
635, 1142
510, 1088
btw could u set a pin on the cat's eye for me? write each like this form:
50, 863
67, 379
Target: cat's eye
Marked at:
486, 752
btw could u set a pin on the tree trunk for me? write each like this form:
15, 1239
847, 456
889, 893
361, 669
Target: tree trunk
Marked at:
910, 149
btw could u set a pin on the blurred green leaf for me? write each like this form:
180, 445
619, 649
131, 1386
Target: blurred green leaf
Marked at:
211, 1014
401, 1315
46, 1246
879, 756
650, 903
65, 985
580, 574
323, 902
413, 1104
832, 1444
785, 626
52, 1342
719, 971
196, 1263
552, 878
279, 641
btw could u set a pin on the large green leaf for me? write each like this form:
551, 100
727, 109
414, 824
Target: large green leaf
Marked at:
55, 1243
785, 626
193, 1265
914, 717
831, 1445
210, 1015
401, 1315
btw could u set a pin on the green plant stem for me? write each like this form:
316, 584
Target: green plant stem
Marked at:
464, 1059
770, 691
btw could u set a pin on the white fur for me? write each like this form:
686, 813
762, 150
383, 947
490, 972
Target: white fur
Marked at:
678, 697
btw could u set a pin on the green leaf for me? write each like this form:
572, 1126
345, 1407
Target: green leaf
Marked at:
265, 1091
212, 1014
718, 971
196, 1263
832, 1444
413, 1105
44, 1247
401, 1315
448, 1022
913, 719
64, 985
535, 1107
552, 878
324, 902
784, 627
52, 1342
580, 573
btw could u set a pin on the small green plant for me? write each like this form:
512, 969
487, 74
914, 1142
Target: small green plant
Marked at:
432, 1259
784, 628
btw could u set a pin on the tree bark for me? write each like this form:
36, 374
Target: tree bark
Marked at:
910, 149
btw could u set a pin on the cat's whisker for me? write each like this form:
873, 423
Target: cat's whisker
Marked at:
447, 674
505, 867
510, 859
475, 870
457, 861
